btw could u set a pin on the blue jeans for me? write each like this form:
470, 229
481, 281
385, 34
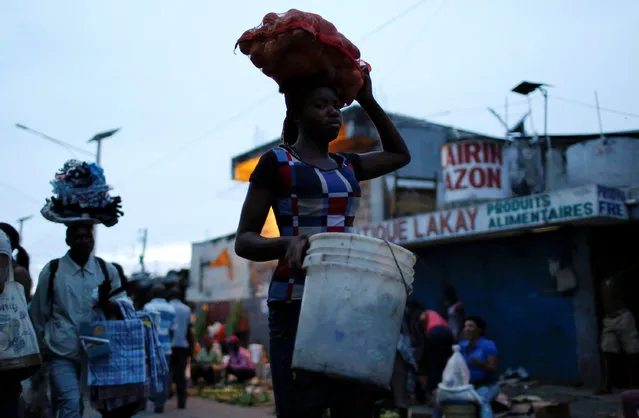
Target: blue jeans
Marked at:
160, 398
65, 376
487, 394
307, 395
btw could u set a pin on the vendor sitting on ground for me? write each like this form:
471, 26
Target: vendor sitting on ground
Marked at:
208, 366
481, 357
239, 363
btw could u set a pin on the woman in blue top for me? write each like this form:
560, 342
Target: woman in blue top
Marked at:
481, 356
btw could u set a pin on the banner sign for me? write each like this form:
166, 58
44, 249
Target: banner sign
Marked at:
570, 205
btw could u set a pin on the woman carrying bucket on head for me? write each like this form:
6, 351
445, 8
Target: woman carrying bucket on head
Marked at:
311, 191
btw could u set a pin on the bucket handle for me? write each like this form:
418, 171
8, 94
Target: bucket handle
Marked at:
401, 273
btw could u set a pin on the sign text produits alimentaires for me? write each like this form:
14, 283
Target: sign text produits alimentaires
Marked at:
500, 215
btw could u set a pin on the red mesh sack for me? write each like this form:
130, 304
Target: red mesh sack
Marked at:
299, 44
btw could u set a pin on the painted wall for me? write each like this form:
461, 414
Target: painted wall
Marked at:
261, 274
507, 282
217, 273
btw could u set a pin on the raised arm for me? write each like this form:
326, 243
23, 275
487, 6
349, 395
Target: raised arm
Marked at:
394, 154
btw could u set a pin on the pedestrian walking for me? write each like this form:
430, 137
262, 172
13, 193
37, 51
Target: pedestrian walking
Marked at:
166, 312
311, 190
67, 291
10, 388
180, 345
64, 299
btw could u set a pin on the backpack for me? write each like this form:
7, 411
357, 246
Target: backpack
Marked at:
53, 269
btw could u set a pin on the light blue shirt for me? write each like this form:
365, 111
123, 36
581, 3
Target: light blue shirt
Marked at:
182, 324
74, 289
166, 312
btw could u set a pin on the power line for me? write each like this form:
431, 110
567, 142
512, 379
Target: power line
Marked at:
392, 20
592, 106
414, 39
183, 148
20, 192
256, 104
474, 109
66, 145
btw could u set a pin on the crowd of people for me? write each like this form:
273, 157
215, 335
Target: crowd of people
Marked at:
65, 297
424, 347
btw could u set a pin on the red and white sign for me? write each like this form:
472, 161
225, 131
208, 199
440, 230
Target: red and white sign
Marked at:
474, 170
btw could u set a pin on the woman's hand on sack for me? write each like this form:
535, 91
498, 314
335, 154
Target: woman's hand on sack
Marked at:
365, 95
296, 251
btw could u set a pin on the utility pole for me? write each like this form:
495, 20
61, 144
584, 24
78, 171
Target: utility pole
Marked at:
145, 233
601, 132
21, 221
98, 156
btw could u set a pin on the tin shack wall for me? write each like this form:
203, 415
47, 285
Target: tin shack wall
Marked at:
507, 282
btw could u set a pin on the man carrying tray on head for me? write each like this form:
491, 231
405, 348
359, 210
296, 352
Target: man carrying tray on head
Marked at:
67, 290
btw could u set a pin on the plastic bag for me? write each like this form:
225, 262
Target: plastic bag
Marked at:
455, 384
19, 351
457, 394
36, 394
456, 373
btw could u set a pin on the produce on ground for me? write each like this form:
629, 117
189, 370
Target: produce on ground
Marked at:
237, 395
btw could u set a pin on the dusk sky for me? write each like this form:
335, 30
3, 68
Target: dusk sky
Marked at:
165, 72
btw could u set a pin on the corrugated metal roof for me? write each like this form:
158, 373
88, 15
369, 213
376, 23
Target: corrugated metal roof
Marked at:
569, 139
424, 140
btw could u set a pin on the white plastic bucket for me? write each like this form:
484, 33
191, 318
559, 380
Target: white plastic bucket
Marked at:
330, 242
336, 253
352, 307
367, 263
